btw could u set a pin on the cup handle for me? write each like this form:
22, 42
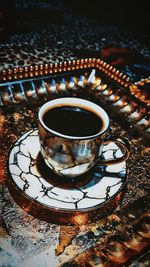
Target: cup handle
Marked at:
123, 144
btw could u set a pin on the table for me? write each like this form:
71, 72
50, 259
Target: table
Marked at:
29, 241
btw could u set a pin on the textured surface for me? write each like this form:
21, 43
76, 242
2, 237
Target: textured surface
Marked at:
66, 36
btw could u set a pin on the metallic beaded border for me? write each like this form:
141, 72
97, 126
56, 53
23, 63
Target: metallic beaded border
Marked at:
135, 89
71, 65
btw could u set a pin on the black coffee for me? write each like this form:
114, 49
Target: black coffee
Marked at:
73, 121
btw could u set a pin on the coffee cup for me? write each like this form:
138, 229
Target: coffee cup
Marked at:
72, 133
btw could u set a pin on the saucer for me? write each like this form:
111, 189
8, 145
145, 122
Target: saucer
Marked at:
89, 192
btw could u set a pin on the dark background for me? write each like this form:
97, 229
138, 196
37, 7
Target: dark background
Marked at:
116, 31
130, 15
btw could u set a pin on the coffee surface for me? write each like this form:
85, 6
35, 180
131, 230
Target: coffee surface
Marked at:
73, 121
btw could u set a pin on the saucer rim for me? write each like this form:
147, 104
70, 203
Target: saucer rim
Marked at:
58, 209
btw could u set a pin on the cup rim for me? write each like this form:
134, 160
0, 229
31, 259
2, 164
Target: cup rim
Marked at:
76, 102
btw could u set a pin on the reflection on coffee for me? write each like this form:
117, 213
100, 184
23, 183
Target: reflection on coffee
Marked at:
73, 121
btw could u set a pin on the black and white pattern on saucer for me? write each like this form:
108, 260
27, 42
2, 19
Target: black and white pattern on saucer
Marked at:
105, 183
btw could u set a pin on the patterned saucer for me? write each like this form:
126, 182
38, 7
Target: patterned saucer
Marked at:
39, 185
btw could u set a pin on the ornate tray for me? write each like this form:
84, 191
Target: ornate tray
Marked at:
23, 90
108, 86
